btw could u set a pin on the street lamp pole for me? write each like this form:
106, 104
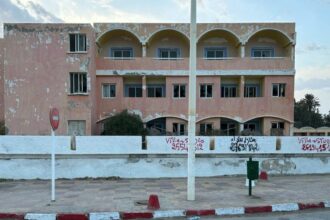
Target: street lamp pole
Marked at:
192, 104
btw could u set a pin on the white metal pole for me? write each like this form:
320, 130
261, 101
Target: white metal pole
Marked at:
53, 166
192, 104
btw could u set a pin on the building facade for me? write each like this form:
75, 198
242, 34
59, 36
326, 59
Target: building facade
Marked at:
245, 77
309, 131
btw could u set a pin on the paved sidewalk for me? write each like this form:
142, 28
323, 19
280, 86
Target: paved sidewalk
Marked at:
74, 196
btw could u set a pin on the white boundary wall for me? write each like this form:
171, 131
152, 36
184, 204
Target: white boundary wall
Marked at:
28, 157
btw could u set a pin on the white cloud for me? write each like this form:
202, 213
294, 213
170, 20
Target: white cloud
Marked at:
207, 10
90, 11
315, 83
310, 72
312, 47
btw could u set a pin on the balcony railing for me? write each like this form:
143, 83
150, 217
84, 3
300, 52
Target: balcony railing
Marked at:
231, 63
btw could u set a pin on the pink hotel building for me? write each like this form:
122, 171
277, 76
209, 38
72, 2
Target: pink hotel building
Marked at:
245, 76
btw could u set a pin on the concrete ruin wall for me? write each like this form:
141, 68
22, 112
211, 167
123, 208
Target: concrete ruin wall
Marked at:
28, 157
2, 104
37, 66
243, 30
37, 63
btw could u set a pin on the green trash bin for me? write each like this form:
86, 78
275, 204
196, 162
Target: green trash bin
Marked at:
253, 170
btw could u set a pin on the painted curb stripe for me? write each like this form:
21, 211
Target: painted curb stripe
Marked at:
303, 206
200, 212
39, 216
327, 204
135, 215
169, 214
72, 217
285, 207
229, 211
11, 216
258, 209
104, 216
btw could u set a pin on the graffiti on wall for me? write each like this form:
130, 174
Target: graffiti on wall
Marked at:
318, 144
181, 144
244, 144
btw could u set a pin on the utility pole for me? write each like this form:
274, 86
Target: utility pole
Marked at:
192, 104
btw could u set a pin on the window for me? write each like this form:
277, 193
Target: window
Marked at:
205, 91
228, 128
277, 129
78, 83
250, 126
228, 91
205, 129
279, 90
178, 129
108, 90
168, 53
156, 91
119, 53
133, 90
76, 127
277, 125
251, 91
179, 91
215, 52
77, 42
262, 52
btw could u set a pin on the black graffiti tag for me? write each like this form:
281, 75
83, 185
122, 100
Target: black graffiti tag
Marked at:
244, 144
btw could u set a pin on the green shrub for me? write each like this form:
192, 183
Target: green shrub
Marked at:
124, 123
3, 129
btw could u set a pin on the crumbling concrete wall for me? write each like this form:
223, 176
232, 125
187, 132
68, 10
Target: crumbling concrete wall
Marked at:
144, 31
2, 106
37, 66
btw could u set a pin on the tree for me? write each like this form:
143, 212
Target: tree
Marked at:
306, 112
312, 103
124, 123
327, 119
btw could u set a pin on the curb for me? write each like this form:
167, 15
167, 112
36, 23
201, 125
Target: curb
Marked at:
284, 207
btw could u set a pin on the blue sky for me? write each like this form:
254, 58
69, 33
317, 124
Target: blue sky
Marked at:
311, 17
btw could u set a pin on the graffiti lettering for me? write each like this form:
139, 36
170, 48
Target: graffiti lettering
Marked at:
181, 144
244, 144
319, 144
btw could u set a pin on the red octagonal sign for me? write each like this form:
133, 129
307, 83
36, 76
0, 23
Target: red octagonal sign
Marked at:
54, 117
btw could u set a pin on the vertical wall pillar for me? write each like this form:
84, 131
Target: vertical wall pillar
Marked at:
241, 87
292, 52
144, 50
242, 50
241, 127
291, 129
144, 86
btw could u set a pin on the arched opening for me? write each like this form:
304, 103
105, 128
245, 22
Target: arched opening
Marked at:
119, 44
253, 127
267, 125
156, 127
269, 43
228, 127
168, 44
218, 44
167, 125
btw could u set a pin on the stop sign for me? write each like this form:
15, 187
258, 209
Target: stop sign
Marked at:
54, 117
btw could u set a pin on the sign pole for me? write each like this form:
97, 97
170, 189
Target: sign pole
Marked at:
192, 104
53, 166
54, 118
250, 182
